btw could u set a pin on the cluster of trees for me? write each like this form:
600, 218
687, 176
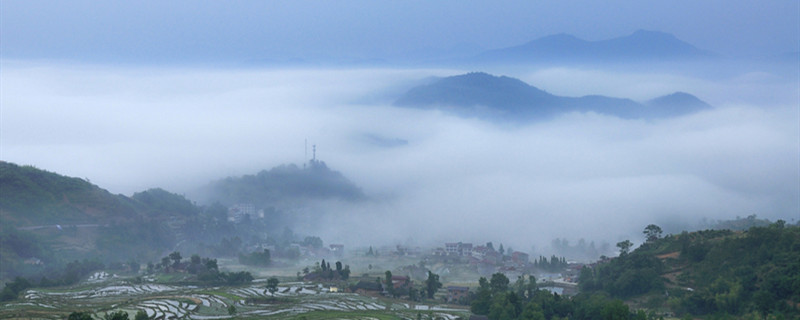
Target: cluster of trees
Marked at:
323, 271
15, 247
582, 250
555, 263
261, 259
498, 300
431, 285
627, 275
117, 315
206, 270
736, 274
371, 253
142, 238
70, 274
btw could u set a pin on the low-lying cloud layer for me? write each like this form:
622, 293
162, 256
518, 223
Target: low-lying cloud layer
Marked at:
434, 176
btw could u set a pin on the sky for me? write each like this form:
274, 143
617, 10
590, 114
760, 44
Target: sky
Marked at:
165, 94
248, 31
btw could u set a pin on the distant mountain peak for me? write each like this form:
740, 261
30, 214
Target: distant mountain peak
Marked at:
637, 46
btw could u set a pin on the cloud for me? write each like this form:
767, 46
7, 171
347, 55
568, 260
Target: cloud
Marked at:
434, 176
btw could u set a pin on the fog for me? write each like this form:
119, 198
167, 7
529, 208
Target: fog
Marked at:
456, 179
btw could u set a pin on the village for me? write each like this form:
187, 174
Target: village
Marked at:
458, 264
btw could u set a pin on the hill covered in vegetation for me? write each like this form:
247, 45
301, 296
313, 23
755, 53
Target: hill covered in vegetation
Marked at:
482, 95
50, 220
31, 196
284, 185
711, 272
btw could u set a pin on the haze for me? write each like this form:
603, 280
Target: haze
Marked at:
175, 95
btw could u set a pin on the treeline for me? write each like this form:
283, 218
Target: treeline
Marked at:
555, 263
499, 300
580, 250
206, 270
323, 271
261, 259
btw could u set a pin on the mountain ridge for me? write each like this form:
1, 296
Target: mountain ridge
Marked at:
641, 45
504, 98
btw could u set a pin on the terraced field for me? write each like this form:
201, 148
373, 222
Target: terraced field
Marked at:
293, 300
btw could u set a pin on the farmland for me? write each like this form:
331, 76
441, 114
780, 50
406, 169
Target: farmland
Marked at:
168, 301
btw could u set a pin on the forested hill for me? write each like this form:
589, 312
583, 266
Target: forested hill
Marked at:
490, 97
31, 197
283, 185
712, 272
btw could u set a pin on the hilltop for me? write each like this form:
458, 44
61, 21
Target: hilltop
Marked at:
482, 95
283, 186
31, 196
641, 45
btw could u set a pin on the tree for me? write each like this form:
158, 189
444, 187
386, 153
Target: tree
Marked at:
339, 267
12, 289
211, 264
80, 316
652, 232
483, 298
615, 310
499, 283
345, 272
118, 315
432, 284
141, 315
134, 266
314, 242
176, 257
501, 250
413, 294
388, 282
195, 263
624, 247
272, 285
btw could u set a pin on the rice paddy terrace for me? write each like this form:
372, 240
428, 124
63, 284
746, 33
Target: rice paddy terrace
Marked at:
162, 301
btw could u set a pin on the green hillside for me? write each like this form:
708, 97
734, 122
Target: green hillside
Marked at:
30, 196
283, 185
50, 220
711, 272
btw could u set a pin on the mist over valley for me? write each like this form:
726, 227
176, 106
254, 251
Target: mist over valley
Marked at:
364, 160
